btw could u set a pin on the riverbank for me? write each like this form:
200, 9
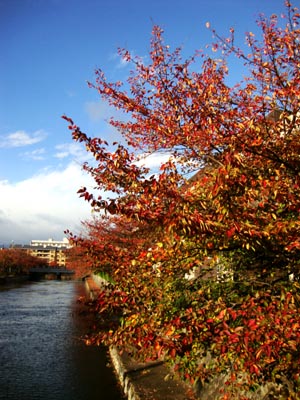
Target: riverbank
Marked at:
4, 280
142, 381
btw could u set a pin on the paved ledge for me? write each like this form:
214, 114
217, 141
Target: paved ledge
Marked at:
92, 288
146, 381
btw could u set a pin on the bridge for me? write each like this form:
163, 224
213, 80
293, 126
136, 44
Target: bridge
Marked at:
50, 273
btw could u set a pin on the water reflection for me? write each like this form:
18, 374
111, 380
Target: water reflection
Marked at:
40, 354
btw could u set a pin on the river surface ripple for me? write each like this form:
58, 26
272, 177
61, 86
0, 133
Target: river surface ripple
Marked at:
41, 356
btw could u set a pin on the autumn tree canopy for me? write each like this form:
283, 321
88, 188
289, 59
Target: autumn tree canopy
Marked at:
17, 262
229, 192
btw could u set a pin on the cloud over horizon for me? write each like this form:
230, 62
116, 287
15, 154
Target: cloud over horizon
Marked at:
47, 203
43, 206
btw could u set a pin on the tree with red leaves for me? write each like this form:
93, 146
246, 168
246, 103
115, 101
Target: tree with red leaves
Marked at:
238, 214
14, 262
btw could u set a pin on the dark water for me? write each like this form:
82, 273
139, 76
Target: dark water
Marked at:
41, 357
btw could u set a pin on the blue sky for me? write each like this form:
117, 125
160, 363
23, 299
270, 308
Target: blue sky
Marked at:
49, 50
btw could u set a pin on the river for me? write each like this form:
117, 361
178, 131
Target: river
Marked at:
41, 356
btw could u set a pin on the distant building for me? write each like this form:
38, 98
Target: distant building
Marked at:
53, 252
51, 243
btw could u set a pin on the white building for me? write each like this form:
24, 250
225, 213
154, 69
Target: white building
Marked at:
51, 243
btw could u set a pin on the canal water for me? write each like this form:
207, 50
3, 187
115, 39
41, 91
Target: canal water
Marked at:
41, 355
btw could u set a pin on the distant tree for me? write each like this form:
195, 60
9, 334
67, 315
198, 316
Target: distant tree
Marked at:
108, 242
17, 262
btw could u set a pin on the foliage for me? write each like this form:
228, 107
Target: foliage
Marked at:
109, 242
17, 262
234, 224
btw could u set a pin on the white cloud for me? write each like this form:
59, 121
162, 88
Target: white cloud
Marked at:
99, 113
153, 160
74, 150
36, 155
99, 110
46, 204
43, 206
21, 139
121, 63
